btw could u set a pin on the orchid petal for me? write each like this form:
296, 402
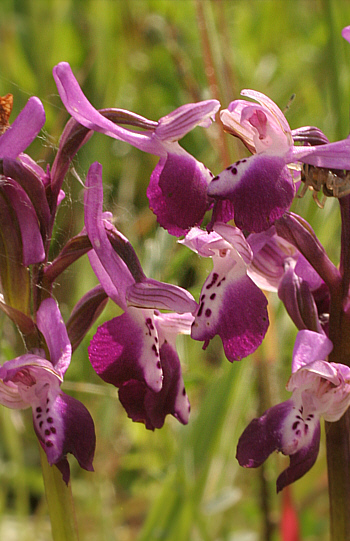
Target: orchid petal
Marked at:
346, 33
126, 348
176, 124
309, 346
81, 109
116, 269
32, 242
330, 156
177, 192
159, 295
150, 407
24, 129
263, 436
51, 324
233, 307
260, 187
300, 462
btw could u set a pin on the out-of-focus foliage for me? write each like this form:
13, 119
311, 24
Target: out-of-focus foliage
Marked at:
151, 56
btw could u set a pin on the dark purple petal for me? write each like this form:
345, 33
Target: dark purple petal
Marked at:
24, 129
236, 311
298, 232
301, 462
144, 405
263, 436
75, 248
32, 242
33, 186
126, 348
15, 279
260, 187
84, 314
222, 212
296, 295
65, 426
177, 192
24, 323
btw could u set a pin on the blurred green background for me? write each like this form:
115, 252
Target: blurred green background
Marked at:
178, 483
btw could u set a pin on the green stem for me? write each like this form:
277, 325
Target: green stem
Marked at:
338, 461
338, 434
60, 503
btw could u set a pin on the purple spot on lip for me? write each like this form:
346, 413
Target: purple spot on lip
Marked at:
213, 280
200, 310
208, 312
212, 296
234, 171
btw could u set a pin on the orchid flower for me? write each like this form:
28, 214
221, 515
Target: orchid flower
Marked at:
178, 187
62, 424
319, 389
136, 351
261, 187
230, 304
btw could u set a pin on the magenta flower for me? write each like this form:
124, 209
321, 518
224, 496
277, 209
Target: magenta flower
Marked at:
62, 424
230, 304
261, 187
319, 389
178, 187
136, 351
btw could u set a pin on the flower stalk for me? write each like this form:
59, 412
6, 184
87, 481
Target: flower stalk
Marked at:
59, 501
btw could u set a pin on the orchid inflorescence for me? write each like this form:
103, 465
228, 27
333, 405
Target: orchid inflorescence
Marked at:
268, 249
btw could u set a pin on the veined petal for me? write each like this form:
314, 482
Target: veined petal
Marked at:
176, 124
205, 244
51, 324
177, 192
309, 346
330, 156
81, 109
127, 348
260, 187
235, 237
114, 266
160, 295
32, 242
265, 101
24, 129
